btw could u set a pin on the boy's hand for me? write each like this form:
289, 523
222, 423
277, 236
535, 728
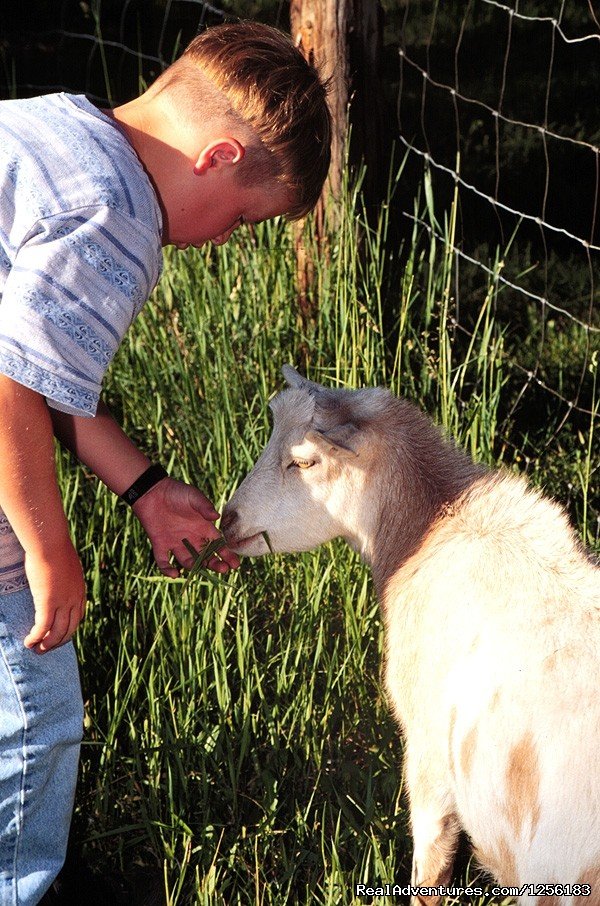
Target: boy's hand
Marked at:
172, 511
57, 585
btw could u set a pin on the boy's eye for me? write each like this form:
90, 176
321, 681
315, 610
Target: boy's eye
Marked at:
301, 463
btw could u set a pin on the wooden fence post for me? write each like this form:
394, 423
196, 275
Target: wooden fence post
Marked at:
343, 38
320, 28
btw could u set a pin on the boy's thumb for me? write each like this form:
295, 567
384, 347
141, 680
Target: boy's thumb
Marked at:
202, 505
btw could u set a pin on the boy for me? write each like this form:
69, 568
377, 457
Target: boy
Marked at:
236, 131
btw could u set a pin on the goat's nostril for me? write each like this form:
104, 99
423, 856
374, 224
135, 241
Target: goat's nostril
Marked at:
228, 519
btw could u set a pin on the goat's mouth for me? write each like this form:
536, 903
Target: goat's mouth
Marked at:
242, 545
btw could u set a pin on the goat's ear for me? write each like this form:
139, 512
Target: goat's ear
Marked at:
341, 440
295, 379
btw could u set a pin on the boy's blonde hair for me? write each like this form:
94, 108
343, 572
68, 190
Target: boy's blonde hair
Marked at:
274, 91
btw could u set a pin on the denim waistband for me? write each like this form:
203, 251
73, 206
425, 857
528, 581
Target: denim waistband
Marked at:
12, 559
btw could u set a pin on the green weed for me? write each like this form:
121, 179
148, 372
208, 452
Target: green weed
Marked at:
238, 737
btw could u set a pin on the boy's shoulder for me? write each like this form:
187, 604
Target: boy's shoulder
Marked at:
58, 153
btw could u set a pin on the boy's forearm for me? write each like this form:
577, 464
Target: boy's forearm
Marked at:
172, 510
101, 444
29, 494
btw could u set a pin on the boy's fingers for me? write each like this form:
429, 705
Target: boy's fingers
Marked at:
232, 560
54, 628
225, 560
60, 631
218, 566
74, 621
209, 532
163, 562
35, 636
43, 623
171, 572
184, 555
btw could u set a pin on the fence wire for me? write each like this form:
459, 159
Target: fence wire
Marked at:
106, 48
496, 103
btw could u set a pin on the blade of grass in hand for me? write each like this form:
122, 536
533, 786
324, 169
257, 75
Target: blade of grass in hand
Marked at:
201, 557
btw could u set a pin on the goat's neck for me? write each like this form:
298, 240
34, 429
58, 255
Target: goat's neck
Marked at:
413, 493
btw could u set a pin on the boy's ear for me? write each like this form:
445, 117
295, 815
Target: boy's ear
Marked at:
220, 152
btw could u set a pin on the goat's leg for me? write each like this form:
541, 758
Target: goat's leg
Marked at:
435, 830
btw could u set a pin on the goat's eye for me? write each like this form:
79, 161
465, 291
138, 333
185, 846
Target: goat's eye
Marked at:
301, 463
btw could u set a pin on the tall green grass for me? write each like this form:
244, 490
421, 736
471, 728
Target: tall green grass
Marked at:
237, 735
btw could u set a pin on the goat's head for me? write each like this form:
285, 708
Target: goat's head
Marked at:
308, 486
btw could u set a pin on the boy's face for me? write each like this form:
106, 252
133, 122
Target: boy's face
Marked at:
210, 207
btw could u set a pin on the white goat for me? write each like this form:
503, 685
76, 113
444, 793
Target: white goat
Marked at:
492, 618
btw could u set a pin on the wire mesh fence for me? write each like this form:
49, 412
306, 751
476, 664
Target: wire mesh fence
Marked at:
519, 136
105, 48
495, 107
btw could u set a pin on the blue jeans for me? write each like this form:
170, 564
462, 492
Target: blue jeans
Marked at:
41, 722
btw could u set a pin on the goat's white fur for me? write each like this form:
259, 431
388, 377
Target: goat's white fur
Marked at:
492, 618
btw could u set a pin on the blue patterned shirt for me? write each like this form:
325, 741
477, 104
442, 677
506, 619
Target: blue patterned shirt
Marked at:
80, 252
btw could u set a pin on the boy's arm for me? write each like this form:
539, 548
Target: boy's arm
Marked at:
31, 500
169, 512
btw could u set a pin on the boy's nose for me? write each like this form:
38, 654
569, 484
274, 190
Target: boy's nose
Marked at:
223, 237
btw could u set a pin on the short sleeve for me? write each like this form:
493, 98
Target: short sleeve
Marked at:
74, 288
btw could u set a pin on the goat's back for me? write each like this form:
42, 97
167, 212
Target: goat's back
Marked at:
493, 657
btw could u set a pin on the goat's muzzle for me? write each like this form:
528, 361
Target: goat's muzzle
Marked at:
228, 520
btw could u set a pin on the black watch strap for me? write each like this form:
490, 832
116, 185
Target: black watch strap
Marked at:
141, 485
